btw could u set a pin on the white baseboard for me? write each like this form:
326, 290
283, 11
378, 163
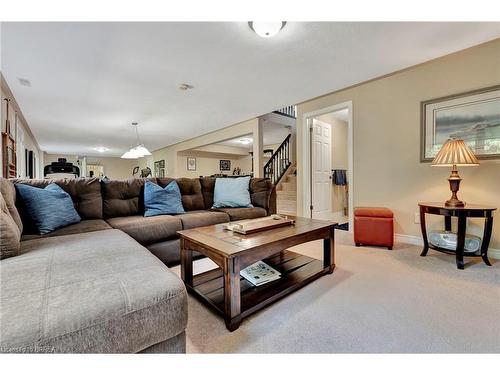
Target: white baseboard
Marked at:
417, 240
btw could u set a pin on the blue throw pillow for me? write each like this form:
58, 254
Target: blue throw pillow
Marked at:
232, 192
162, 201
49, 208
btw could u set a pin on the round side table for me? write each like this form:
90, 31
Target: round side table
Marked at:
462, 213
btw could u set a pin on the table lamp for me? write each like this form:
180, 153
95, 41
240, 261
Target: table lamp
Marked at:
454, 153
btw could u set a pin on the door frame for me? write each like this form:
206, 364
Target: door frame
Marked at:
306, 181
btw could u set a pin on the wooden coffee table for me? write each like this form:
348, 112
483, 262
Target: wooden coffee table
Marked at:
233, 297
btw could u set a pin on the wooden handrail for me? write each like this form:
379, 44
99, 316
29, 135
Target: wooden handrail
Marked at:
279, 162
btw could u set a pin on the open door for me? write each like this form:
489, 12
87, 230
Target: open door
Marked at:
321, 161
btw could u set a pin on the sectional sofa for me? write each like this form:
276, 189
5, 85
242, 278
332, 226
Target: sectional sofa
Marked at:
103, 285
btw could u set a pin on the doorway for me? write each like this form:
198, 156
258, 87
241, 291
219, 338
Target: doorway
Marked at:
95, 170
328, 153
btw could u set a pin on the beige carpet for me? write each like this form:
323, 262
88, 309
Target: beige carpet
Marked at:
376, 301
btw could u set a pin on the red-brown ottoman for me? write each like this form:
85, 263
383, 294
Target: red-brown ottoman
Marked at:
374, 226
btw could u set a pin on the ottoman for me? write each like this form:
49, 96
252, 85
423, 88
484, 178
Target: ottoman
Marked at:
374, 226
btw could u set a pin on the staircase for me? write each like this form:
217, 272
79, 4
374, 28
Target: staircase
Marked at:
286, 193
279, 163
282, 171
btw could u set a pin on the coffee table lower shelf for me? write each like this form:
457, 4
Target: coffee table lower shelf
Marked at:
296, 271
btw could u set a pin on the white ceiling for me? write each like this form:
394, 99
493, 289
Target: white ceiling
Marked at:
89, 81
273, 133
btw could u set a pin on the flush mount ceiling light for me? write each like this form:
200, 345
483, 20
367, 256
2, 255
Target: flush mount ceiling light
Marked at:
101, 149
266, 29
245, 141
139, 150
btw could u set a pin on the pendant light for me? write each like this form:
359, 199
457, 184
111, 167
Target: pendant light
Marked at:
139, 150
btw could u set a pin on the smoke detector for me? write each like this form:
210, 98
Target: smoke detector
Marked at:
24, 82
184, 86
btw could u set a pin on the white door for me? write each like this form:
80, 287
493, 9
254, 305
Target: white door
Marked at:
321, 170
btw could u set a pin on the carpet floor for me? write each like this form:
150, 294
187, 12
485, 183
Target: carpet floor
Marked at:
376, 301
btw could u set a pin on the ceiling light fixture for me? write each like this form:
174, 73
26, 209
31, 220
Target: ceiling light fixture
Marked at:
266, 29
139, 150
245, 141
101, 149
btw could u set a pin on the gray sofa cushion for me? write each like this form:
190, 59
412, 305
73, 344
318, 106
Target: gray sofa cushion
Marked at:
244, 213
88, 293
261, 190
262, 193
10, 235
83, 226
124, 197
195, 219
174, 345
148, 230
169, 252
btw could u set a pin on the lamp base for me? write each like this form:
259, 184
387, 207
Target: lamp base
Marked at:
454, 202
454, 181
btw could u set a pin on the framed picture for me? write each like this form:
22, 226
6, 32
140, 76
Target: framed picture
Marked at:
225, 165
159, 168
191, 164
472, 116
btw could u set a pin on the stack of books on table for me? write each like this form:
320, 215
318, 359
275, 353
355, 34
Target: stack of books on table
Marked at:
260, 273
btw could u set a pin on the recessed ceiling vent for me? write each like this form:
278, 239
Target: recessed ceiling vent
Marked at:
25, 82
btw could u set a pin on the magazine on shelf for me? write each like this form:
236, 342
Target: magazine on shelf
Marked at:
260, 273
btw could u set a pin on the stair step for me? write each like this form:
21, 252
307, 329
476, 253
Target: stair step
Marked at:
286, 206
286, 191
287, 213
287, 197
281, 202
288, 186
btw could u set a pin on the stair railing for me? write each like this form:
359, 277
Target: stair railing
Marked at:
289, 111
279, 162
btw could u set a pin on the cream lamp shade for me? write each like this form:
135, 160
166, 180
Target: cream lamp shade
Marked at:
455, 152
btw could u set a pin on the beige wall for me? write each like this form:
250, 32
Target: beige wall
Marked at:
223, 149
29, 140
176, 168
114, 168
339, 161
208, 164
386, 126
